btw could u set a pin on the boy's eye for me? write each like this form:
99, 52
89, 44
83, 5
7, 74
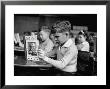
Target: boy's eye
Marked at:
57, 36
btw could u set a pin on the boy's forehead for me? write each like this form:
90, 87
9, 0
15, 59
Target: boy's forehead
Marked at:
44, 32
58, 34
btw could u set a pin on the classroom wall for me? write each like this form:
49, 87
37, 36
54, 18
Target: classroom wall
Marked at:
30, 23
25, 23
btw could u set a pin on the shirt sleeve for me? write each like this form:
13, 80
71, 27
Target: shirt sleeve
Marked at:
61, 63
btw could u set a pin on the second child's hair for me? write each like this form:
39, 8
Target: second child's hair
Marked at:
46, 29
85, 34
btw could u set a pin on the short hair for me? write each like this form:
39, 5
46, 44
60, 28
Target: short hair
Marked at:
46, 29
62, 26
83, 32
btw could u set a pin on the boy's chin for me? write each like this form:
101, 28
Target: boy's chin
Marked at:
42, 40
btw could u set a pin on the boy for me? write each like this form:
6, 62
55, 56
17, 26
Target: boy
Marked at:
67, 52
46, 44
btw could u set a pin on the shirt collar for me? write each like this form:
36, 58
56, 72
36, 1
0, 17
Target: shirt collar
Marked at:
68, 43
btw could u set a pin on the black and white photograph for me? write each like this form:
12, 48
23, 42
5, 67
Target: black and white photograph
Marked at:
55, 44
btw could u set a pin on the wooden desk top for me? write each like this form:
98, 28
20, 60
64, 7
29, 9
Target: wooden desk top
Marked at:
22, 62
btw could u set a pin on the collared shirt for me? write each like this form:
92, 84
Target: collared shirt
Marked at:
47, 46
66, 57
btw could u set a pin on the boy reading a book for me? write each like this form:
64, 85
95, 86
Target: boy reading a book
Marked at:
67, 52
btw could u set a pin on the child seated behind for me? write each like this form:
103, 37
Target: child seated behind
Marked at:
46, 44
83, 43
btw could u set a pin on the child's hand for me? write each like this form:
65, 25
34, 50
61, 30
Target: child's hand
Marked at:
41, 54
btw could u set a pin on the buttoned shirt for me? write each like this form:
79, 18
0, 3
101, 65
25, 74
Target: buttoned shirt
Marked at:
66, 57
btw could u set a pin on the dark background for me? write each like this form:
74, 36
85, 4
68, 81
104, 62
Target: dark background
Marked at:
30, 22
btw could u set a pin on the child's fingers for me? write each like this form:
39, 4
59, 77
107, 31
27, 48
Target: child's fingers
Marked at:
40, 50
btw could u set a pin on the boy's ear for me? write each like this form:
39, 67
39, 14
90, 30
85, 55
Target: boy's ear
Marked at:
67, 33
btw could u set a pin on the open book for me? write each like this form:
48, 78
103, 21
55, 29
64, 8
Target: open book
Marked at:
31, 47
